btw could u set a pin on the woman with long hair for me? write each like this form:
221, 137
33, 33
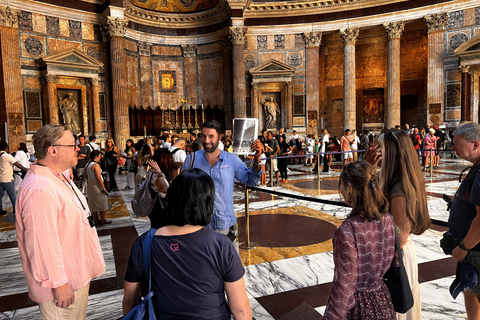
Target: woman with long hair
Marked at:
192, 267
363, 249
129, 152
96, 192
402, 181
111, 154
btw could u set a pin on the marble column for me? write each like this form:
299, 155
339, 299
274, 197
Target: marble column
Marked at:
255, 100
238, 37
52, 100
146, 97
312, 76
289, 104
349, 37
394, 31
466, 111
97, 124
190, 66
116, 29
11, 77
227, 84
436, 55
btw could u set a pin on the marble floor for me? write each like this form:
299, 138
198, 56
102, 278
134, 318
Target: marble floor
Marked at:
288, 273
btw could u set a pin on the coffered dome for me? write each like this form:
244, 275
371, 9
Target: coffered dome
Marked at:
178, 6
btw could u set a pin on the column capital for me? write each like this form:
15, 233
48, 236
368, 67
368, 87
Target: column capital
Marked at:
237, 35
116, 27
312, 39
189, 50
349, 36
9, 17
255, 85
94, 81
50, 77
144, 48
465, 69
394, 29
436, 22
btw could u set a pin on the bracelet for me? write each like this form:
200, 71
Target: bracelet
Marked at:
462, 246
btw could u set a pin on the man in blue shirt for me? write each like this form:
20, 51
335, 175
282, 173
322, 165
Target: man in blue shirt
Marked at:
224, 168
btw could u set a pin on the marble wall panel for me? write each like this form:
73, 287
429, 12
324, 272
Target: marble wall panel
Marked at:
456, 39
252, 42
296, 59
32, 46
64, 27
262, 42
477, 32
167, 98
53, 25
299, 43
87, 31
166, 51
94, 51
454, 75
265, 56
298, 88
25, 20
210, 81
455, 19
279, 41
469, 17
75, 28
132, 85
146, 81
290, 41
250, 61
477, 15
28, 62
453, 115
97, 32
453, 95
39, 23
31, 83
413, 52
57, 45
209, 48
131, 45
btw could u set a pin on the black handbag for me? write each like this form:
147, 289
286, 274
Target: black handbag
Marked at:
397, 282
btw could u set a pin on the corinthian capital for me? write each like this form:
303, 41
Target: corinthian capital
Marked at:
312, 39
349, 36
8, 17
237, 35
144, 48
49, 77
465, 69
189, 50
394, 29
94, 81
436, 22
116, 27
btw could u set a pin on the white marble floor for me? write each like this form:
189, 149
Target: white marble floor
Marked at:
267, 278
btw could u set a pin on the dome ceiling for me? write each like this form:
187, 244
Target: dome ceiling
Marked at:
187, 6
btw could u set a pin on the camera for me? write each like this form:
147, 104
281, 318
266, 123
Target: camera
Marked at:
449, 242
91, 221
448, 200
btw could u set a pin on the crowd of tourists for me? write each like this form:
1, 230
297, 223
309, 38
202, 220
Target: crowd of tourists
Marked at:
194, 226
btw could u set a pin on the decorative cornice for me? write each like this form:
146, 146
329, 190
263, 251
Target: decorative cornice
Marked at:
144, 48
436, 22
9, 17
394, 29
94, 81
177, 20
349, 36
237, 35
465, 69
189, 50
116, 27
50, 78
312, 39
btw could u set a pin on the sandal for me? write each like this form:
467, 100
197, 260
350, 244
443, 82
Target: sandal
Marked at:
106, 222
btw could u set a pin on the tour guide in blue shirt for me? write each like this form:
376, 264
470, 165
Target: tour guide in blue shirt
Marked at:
224, 168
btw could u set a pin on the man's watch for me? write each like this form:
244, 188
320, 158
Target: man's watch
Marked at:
462, 246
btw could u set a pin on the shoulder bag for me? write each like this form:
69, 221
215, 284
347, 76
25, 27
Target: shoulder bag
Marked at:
138, 312
396, 280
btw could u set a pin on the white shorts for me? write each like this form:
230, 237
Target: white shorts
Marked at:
347, 155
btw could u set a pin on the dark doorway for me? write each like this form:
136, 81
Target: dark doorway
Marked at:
409, 110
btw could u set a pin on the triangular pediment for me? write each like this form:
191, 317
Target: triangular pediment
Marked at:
72, 58
272, 66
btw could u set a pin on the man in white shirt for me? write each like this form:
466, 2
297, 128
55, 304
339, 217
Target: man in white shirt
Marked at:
92, 144
7, 183
178, 150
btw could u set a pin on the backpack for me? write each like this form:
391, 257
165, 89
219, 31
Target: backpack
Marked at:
144, 198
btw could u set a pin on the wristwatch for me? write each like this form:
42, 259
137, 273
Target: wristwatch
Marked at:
462, 246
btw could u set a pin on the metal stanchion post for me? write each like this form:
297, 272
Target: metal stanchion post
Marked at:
431, 163
247, 245
318, 166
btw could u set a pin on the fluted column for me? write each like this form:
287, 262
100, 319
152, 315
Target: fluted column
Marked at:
97, 125
289, 104
238, 37
394, 32
52, 102
116, 29
227, 84
466, 99
436, 54
312, 54
190, 67
11, 83
349, 37
255, 101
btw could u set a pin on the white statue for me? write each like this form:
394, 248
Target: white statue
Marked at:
69, 108
271, 111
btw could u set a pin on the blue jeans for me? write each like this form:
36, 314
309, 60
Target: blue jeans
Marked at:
10, 188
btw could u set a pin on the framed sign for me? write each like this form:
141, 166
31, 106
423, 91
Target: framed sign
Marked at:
168, 81
298, 121
435, 107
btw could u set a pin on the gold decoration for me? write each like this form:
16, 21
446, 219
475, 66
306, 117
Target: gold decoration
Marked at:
312, 123
16, 119
16, 131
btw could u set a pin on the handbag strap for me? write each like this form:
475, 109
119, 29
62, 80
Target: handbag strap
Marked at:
397, 242
147, 247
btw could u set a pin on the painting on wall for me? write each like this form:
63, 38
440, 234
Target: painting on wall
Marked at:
168, 81
373, 105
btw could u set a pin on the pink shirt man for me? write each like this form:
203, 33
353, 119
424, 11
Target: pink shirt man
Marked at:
56, 242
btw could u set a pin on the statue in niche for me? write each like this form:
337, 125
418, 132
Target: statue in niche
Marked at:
69, 108
271, 109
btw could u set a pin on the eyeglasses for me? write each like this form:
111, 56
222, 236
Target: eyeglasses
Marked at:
74, 146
